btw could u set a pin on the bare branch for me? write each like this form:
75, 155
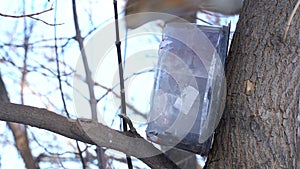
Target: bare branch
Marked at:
78, 129
27, 15
130, 106
50, 24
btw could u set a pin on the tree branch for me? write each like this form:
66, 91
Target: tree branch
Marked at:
27, 15
86, 131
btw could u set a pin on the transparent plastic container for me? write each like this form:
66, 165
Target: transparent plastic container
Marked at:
190, 89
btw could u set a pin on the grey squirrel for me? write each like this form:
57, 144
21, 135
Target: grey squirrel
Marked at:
180, 8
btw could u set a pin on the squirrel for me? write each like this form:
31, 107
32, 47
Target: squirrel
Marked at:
180, 8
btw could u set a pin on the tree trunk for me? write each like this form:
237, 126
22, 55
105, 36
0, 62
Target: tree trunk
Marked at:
259, 125
19, 132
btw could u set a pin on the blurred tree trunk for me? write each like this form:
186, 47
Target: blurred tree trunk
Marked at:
259, 125
22, 144
19, 132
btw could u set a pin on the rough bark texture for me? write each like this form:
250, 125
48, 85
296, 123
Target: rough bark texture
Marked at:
259, 125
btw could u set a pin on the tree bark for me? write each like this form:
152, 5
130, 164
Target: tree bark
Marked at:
258, 128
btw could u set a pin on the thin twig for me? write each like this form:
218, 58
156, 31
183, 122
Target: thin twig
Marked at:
118, 96
50, 24
39, 41
290, 20
60, 82
122, 90
88, 73
26, 15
